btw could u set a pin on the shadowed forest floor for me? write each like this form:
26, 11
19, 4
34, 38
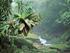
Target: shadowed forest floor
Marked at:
31, 44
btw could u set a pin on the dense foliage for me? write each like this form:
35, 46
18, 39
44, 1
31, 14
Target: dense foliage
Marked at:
16, 20
18, 17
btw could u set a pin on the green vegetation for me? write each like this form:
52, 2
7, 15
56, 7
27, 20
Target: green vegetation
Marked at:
18, 18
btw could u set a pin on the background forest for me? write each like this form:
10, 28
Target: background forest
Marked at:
22, 22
